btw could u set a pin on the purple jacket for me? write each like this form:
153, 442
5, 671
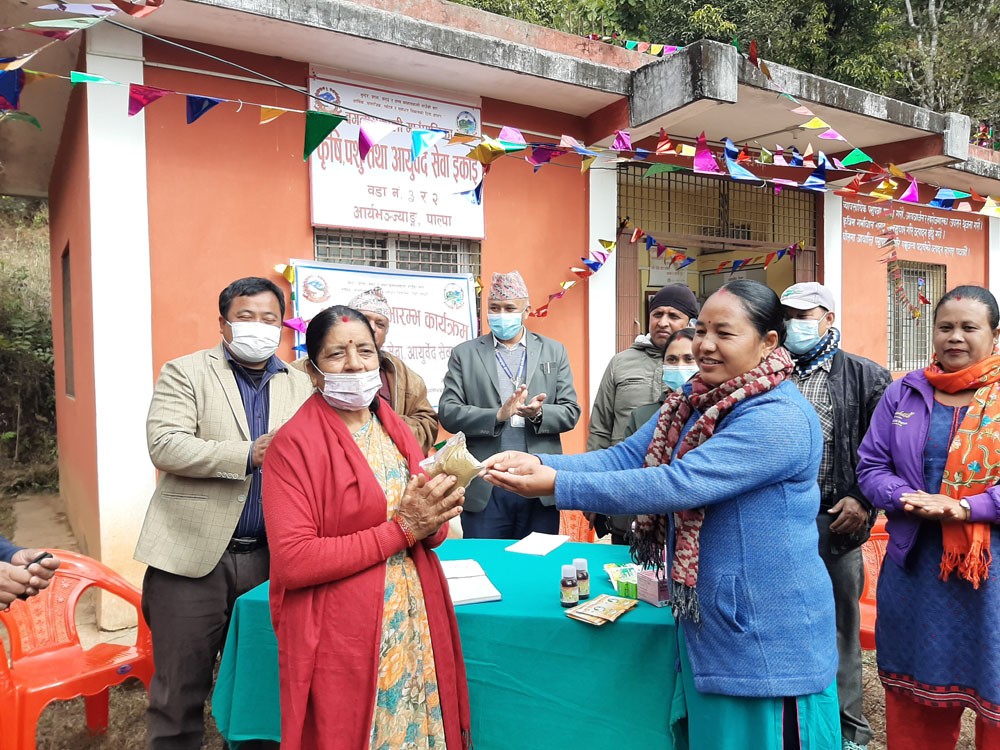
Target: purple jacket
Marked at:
892, 462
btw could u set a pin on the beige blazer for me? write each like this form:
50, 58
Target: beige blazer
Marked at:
199, 439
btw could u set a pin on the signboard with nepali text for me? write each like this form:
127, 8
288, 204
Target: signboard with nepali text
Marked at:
389, 191
431, 313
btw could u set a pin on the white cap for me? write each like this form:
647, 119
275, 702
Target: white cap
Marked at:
568, 571
580, 563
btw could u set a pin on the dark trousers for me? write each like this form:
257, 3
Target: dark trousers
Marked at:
847, 573
510, 516
189, 618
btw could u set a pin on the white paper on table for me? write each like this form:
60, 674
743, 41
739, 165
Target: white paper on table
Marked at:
462, 568
467, 582
539, 544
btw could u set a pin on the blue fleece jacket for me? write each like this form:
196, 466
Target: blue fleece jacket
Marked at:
767, 615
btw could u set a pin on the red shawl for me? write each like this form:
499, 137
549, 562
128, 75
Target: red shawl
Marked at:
326, 525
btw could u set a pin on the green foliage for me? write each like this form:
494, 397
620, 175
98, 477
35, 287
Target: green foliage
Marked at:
945, 56
27, 395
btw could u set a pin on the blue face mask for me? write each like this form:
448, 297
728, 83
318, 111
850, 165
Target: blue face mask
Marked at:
801, 335
505, 326
674, 376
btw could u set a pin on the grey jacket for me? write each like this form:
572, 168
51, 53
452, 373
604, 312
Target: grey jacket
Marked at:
471, 399
632, 378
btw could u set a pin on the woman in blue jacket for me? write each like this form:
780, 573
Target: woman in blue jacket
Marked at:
724, 478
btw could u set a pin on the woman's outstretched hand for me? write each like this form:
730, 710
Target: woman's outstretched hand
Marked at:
428, 504
520, 473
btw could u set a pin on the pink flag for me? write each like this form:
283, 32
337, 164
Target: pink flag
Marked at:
911, 195
623, 141
141, 96
511, 135
370, 133
704, 162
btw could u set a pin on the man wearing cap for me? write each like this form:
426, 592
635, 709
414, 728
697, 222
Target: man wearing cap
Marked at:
634, 378
508, 390
844, 389
402, 388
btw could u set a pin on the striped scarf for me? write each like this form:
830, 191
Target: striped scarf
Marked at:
824, 350
648, 540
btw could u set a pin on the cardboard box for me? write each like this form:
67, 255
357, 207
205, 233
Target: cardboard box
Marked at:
652, 589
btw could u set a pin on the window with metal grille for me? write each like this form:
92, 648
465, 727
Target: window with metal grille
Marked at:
715, 214
706, 216
404, 252
910, 337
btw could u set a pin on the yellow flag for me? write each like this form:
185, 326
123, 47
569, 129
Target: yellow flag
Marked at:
687, 150
608, 245
585, 164
814, 124
487, 152
269, 114
287, 271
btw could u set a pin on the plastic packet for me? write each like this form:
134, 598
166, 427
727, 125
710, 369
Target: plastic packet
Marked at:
453, 458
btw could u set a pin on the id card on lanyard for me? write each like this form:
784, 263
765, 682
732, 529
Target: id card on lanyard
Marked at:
516, 379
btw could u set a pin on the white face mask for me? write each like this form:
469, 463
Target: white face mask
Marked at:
350, 391
254, 342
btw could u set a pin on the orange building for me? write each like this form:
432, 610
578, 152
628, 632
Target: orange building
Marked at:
152, 217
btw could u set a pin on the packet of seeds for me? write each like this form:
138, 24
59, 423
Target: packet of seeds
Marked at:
453, 458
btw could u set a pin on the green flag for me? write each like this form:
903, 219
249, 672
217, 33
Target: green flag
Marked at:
857, 156
318, 126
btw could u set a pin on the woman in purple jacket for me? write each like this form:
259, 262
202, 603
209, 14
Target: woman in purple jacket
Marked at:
931, 461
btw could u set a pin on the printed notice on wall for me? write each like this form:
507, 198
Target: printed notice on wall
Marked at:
431, 313
922, 234
388, 191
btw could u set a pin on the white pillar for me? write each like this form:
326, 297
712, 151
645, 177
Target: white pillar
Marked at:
993, 255
123, 358
833, 250
602, 312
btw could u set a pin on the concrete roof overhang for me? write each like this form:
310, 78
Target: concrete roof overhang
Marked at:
427, 43
439, 45
709, 87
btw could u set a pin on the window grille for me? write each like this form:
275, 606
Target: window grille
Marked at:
404, 252
910, 344
704, 216
714, 214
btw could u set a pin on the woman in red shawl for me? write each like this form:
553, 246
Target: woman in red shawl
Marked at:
368, 646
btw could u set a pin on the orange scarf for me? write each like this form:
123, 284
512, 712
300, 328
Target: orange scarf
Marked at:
970, 468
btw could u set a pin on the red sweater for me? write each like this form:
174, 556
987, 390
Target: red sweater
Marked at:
329, 538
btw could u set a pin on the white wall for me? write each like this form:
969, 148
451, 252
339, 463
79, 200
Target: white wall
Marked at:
602, 307
833, 251
993, 250
123, 358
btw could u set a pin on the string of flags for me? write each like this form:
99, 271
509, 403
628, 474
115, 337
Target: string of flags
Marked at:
740, 164
679, 259
887, 242
656, 50
593, 263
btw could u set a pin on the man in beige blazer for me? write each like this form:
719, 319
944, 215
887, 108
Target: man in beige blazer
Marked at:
211, 418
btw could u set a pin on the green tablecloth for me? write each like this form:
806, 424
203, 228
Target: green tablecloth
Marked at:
537, 679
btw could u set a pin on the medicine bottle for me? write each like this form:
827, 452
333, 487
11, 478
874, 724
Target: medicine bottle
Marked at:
582, 577
569, 592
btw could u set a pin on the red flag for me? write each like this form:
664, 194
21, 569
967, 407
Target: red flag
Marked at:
135, 9
141, 96
664, 146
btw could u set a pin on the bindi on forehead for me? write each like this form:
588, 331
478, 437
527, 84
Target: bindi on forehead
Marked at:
344, 319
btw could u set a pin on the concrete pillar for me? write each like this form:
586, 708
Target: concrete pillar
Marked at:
123, 359
993, 255
833, 251
602, 305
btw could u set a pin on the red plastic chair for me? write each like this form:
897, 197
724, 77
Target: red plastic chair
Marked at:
47, 661
873, 552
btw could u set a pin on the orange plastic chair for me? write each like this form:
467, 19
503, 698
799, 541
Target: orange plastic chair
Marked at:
47, 661
873, 552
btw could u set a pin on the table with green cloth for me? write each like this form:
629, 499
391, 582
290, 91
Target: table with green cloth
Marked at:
537, 679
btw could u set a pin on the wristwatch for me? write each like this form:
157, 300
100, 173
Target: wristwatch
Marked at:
965, 504
537, 419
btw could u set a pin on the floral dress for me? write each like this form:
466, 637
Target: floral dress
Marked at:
407, 706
